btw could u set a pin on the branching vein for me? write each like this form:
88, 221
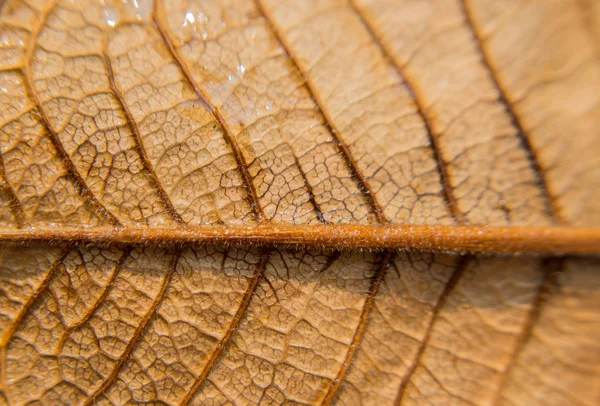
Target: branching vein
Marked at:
228, 134
433, 138
256, 277
551, 269
137, 333
15, 204
342, 147
4, 340
516, 120
135, 132
454, 278
362, 324
88, 197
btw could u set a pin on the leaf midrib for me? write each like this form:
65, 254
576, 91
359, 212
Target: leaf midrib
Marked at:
553, 240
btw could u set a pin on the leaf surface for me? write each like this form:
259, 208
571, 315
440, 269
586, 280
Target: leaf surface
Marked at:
130, 131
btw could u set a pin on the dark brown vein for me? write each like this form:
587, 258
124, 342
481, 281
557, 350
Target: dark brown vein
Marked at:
97, 303
137, 333
329, 123
135, 132
311, 194
24, 310
89, 199
256, 277
510, 109
330, 261
420, 105
456, 275
551, 268
227, 133
377, 279
14, 203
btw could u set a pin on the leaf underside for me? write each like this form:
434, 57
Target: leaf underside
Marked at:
198, 114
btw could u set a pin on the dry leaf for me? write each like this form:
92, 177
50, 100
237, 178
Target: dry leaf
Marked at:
141, 139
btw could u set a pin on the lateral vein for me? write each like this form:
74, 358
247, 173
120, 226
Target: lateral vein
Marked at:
358, 334
510, 109
227, 133
253, 283
343, 149
137, 334
459, 270
135, 132
14, 203
420, 105
88, 197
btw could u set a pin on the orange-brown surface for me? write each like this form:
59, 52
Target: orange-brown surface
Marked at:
350, 202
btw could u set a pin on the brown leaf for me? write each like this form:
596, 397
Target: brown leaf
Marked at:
268, 202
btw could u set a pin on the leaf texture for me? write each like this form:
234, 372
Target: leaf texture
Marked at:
189, 116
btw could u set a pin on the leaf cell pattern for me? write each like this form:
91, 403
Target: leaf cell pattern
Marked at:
144, 114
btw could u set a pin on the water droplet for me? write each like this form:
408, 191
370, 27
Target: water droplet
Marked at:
143, 8
194, 21
111, 16
189, 18
252, 33
241, 68
135, 9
